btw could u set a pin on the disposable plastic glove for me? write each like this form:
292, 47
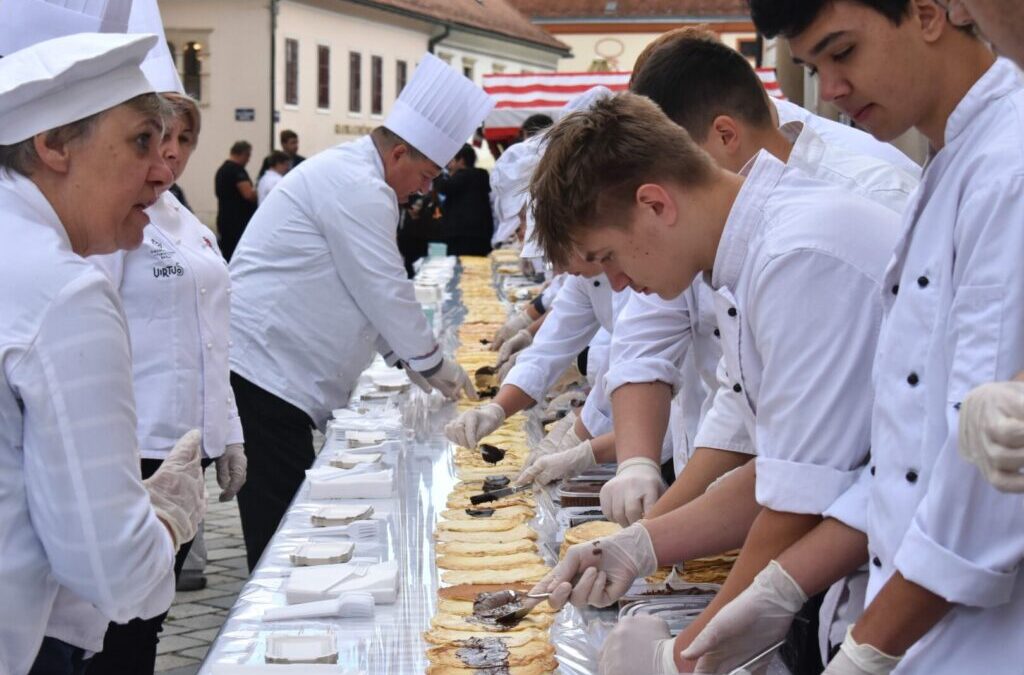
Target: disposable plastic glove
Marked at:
857, 659
566, 401
452, 381
515, 324
754, 621
467, 429
633, 491
514, 345
599, 572
231, 471
177, 490
417, 379
992, 433
550, 443
507, 367
558, 465
638, 644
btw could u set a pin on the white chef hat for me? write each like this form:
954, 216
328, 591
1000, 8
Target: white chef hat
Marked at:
159, 65
438, 110
25, 22
66, 79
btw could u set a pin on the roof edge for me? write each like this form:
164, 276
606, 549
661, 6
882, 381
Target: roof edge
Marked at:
565, 51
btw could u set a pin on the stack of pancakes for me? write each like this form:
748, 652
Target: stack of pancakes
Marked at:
487, 548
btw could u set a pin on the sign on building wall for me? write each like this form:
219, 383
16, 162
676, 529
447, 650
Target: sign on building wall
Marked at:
245, 114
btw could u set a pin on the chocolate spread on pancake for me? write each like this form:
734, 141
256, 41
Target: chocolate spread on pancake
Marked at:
488, 654
492, 616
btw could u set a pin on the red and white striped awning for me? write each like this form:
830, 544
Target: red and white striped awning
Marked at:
519, 96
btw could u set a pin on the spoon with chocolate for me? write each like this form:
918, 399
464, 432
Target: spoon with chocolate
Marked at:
505, 608
491, 453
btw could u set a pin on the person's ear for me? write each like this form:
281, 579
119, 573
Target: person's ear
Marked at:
398, 151
53, 154
931, 19
725, 133
654, 200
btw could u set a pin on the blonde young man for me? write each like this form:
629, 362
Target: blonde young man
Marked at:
795, 266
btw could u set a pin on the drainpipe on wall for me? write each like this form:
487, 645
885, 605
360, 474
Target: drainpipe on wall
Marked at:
273, 68
437, 39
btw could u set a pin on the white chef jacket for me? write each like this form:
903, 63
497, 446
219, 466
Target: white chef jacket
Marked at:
73, 511
551, 291
671, 341
796, 290
268, 181
317, 278
843, 136
581, 308
176, 291
954, 319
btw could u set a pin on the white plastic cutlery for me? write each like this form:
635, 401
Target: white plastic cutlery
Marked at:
355, 605
361, 530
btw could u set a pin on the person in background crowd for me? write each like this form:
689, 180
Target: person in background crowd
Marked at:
533, 125
236, 197
415, 229
79, 163
278, 164
290, 146
467, 222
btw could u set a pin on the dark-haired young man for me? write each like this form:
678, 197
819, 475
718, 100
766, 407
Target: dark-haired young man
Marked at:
945, 546
467, 222
624, 185
236, 197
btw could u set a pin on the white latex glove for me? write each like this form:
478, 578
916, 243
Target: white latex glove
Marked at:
754, 621
633, 491
558, 465
231, 471
177, 490
467, 429
565, 401
599, 572
992, 433
858, 659
514, 345
507, 367
559, 429
451, 380
638, 644
417, 379
515, 324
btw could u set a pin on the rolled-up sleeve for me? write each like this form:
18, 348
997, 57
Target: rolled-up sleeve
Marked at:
649, 342
564, 334
727, 422
815, 318
966, 540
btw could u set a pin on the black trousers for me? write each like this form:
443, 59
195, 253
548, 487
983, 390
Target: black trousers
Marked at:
130, 648
279, 447
57, 657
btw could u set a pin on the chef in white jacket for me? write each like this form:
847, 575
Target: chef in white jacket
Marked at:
79, 163
319, 286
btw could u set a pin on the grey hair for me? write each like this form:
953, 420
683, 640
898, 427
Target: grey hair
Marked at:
21, 158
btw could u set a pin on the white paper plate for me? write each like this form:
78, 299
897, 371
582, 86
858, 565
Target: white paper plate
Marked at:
322, 553
341, 514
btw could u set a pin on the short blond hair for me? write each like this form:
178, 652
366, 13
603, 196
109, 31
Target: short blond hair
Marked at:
596, 159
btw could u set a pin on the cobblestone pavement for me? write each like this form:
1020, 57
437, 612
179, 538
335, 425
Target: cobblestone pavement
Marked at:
196, 616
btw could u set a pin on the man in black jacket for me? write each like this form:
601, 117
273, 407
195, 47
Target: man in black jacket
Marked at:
467, 224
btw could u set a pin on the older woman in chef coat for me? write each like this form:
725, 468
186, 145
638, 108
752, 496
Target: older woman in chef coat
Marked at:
175, 290
79, 164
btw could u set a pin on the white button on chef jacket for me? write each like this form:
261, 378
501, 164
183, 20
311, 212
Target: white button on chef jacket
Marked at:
174, 289
954, 319
317, 278
799, 264
74, 512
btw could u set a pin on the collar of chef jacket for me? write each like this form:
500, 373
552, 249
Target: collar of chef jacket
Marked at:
762, 175
1000, 80
33, 197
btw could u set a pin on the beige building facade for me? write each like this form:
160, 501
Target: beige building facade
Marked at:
338, 66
